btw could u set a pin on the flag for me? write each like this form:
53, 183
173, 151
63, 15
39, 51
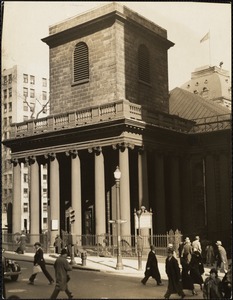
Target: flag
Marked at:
205, 37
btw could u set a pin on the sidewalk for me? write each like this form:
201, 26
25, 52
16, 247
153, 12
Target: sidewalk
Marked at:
104, 264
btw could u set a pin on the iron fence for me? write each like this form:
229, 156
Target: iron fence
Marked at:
100, 245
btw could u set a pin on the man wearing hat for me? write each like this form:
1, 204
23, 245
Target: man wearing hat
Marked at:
39, 260
196, 244
152, 267
222, 257
61, 267
187, 250
212, 286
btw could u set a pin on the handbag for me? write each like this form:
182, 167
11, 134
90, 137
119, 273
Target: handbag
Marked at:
36, 269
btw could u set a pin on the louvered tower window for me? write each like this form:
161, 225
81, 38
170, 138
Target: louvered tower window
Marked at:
81, 63
143, 64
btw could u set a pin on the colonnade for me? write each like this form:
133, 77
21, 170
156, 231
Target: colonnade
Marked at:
157, 200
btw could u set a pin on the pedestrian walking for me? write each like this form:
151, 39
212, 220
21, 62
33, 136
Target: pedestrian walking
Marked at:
39, 261
21, 243
187, 250
210, 257
152, 267
57, 244
174, 277
196, 268
227, 284
197, 244
61, 267
222, 262
212, 288
187, 281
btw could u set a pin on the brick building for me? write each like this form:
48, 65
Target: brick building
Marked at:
110, 107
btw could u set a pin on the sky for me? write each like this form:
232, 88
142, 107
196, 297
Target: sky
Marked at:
25, 23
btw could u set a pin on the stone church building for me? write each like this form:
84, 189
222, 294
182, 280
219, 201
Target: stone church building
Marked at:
110, 107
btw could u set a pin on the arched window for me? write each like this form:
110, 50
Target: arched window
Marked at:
81, 63
143, 64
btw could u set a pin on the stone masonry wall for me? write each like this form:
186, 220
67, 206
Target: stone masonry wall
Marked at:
113, 61
102, 61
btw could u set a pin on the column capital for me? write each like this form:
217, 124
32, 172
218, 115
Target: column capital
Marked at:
51, 156
141, 149
97, 150
72, 153
31, 159
14, 161
122, 146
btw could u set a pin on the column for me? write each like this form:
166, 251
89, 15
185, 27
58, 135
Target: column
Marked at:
142, 179
76, 195
143, 190
124, 191
159, 215
54, 197
175, 201
211, 199
16, 211
100, 210
34, 201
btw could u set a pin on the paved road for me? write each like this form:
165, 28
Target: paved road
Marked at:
89, 284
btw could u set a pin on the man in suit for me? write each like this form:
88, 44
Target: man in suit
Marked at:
39, 260
152, 267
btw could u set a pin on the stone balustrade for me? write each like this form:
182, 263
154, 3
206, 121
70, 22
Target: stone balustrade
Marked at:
112, 111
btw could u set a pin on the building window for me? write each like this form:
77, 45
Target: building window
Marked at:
44, 207
25, 78
5, 94
25, 92
32, 107
32, 93
10, 106
5, 179
143, 64
10, 78
5, 122
10, 178
25, 107
81, 63
25, 207
25, 118
5, 80
44, 82
44, 176
44, 95
25, 191
25, 178
10, 120
10, 92
5, 107
32, 79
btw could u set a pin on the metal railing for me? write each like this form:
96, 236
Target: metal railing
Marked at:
100, 245
213, 123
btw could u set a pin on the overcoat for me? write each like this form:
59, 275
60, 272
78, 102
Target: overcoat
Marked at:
174, 277
61, 267
39, 257
152, 267
196, 267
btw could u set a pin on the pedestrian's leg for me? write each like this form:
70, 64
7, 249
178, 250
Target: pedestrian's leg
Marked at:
68, 293
55, 293
32, 278
46, 273
144, 280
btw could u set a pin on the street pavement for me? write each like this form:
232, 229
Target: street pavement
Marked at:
104, 264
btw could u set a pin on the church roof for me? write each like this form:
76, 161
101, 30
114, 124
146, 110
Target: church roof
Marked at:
191, 106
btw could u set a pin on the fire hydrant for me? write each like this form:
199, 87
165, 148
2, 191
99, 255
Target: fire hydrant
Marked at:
84, 258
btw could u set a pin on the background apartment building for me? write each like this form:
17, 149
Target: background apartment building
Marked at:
25, 96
